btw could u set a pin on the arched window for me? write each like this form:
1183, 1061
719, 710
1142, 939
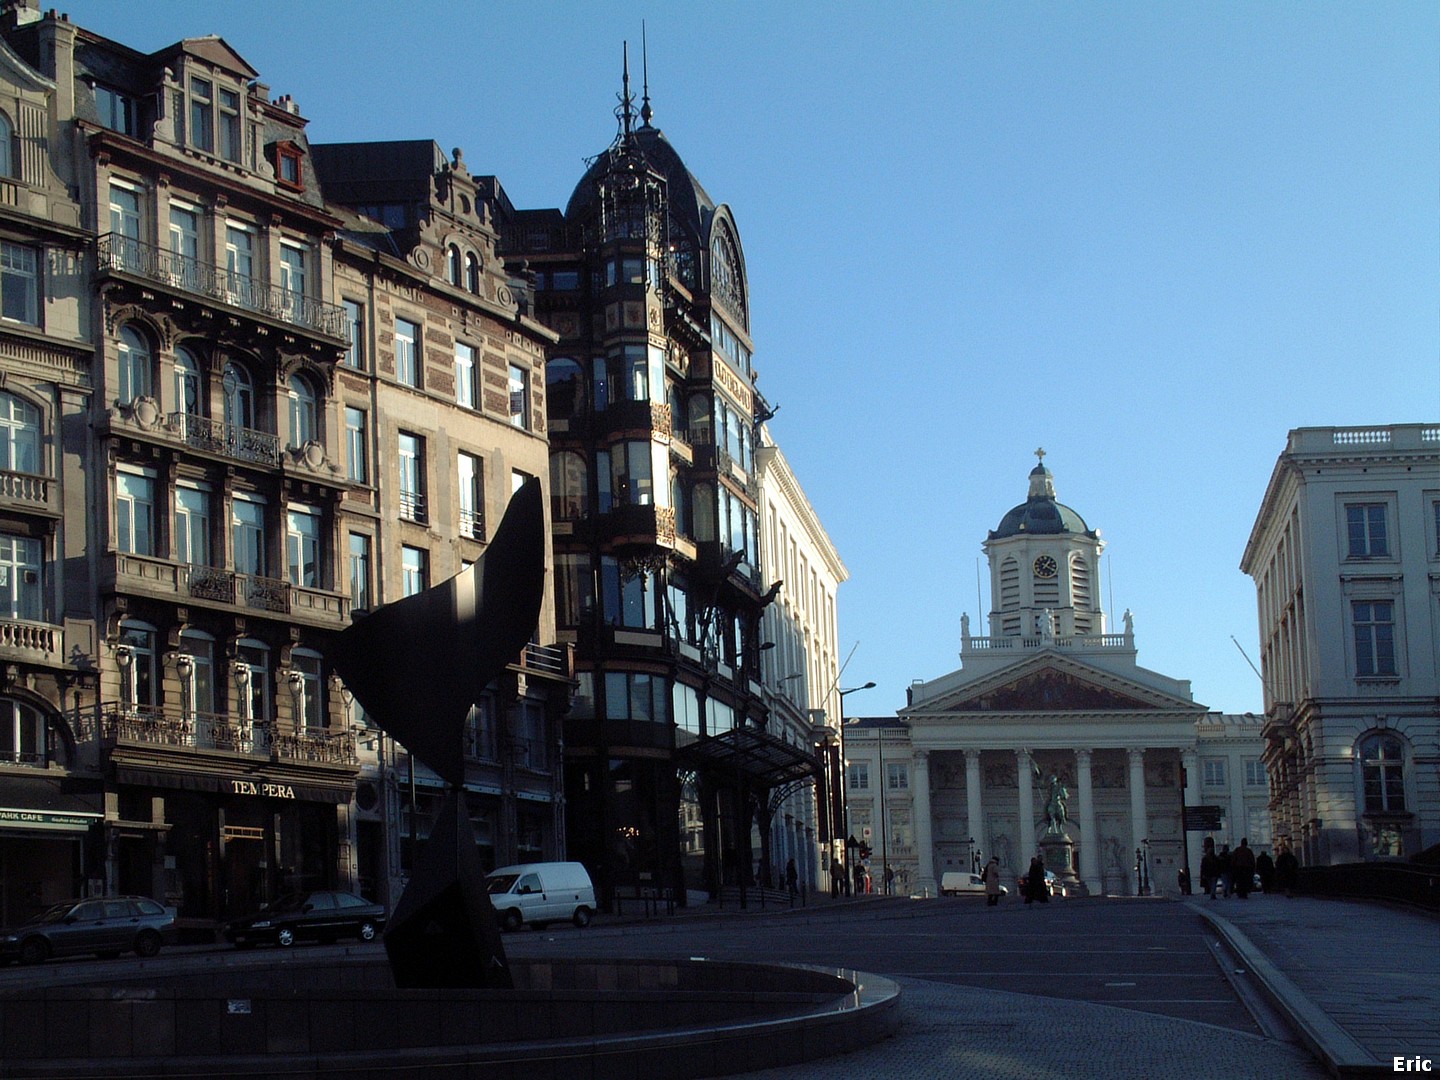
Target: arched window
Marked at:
239, 396
22, 735
1382, 774
472, 273
134, 366
7, 146
200, 648
304, 411
256, 656
139, 678
307, 664
19, 435
189, 386
452, 265
564, 388
569, 486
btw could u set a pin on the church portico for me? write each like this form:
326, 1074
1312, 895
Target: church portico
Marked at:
1050, 736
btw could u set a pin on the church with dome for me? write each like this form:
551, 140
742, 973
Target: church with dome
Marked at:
1051, 737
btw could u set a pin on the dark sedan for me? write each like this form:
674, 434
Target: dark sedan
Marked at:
105, 926
315, 916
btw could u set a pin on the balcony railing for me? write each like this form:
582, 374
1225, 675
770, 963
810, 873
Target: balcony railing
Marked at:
154, 725
228, 587
472, 524
25, 488
129, 256
36, 640
1035, 641
230, 440
412, 506
551, 659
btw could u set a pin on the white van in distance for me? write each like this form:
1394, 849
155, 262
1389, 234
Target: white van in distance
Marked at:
541, 893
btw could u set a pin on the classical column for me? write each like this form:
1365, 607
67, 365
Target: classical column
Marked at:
973, 821
1190, 762
1139, 829
920, 796
1089, 839
1025, 845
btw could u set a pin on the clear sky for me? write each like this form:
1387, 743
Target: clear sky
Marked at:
1150, 238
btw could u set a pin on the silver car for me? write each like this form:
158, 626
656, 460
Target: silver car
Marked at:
105, 926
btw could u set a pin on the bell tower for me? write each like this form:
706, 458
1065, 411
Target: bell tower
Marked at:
1044, 568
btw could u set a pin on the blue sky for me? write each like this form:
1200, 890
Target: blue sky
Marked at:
1151, 238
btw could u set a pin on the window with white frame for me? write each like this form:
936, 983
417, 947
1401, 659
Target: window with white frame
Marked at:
1382, 774
256, 655
1366, 529
134, 373
858, 776
897, 776
22, 735
302, 546
239, 396
452, 265
1255, 773
124, 211
19, 435
228, 128
411, 462
360, 571
247, 534
240, 259
304, 411
189, 384
355, 316
1213, 771
407, 352
22, 574
465, 374
308, 665
200, 647
414, 570
202, 114
292, 280
19, 284
471, 474
472, 273
184, 233
140, 682
519, 397
1374, 625
356, 445
135, 511
192, 522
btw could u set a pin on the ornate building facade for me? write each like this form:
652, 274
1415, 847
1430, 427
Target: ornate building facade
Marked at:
1049, 697
1345, 553
652, 410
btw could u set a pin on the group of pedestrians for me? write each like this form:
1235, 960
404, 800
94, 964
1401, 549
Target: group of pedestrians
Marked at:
1234, 872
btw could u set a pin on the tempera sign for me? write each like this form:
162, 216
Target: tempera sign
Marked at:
262, 788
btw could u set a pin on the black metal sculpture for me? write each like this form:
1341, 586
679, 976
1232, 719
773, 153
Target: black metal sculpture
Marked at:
417, 666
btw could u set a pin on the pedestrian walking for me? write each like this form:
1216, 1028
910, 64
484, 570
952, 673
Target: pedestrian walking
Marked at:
1287, 870
1265, 867
792, 877
992, 882
1035, 882
1242, 868
889, 880
860, 879
1209, 869
1226, 880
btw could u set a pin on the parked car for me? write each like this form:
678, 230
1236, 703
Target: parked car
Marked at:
314, 916
1052, 884
541, 893
106, 926
954, 883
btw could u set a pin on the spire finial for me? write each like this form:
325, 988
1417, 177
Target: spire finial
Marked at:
1040, 453
645, 111
625, 111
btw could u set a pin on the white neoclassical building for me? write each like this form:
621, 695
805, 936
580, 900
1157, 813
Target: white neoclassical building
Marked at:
966, 766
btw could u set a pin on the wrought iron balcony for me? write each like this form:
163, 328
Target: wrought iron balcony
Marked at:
123, 254
154, 725
229, 440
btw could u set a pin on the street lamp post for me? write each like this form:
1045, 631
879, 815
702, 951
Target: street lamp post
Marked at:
845, 785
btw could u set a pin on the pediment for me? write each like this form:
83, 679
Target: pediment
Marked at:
1054, 685
217, 52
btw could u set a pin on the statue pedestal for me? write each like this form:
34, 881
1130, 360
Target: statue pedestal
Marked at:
1058, 851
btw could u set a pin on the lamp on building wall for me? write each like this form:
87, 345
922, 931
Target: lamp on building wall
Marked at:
125, 660
240, 672
185, 668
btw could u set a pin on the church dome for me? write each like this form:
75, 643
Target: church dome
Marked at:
1041, 514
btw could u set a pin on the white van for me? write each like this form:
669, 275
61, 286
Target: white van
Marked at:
541, 893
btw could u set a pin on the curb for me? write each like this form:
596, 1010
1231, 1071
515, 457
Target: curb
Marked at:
1337, 1049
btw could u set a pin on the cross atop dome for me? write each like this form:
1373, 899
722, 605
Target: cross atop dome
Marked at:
1040, 453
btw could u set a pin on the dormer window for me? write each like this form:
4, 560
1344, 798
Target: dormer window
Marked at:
202, 115
229, 126
287, 166
117, 110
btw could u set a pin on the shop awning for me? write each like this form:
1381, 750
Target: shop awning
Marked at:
760, 757
48, 804
252, 785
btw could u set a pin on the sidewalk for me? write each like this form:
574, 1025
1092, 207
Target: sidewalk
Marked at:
1359, 981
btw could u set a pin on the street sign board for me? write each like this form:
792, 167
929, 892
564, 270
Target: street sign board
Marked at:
865, 832
1203, 818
